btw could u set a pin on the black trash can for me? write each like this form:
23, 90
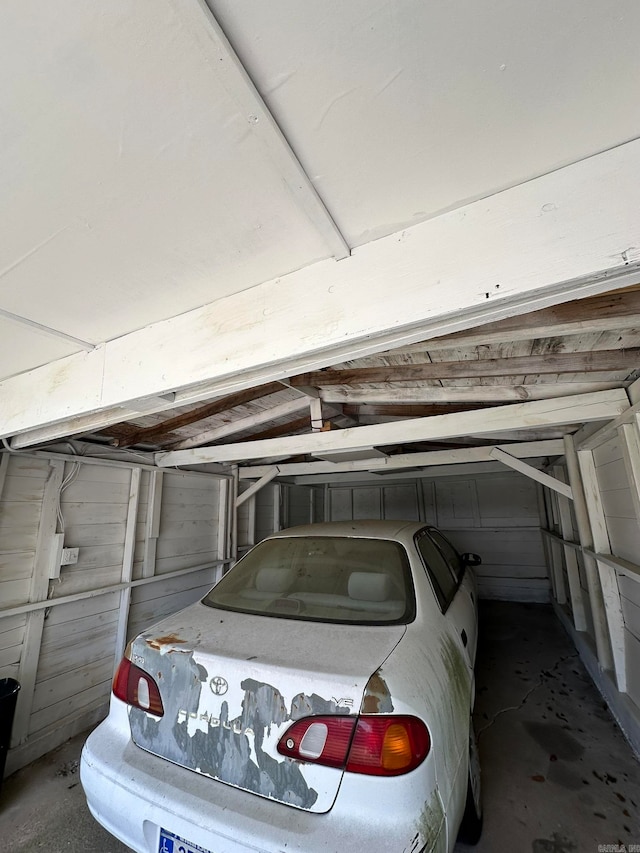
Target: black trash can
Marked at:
8, 697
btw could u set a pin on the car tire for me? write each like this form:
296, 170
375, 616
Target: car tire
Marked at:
471, 826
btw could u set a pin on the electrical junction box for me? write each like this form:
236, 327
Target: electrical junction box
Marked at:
69, 556
60, 556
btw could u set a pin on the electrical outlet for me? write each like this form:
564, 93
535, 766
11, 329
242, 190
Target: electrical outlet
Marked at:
69, 556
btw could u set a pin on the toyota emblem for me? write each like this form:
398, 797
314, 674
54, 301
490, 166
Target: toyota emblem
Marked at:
219, 685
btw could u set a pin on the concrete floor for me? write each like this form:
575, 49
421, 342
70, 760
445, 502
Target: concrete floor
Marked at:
558, 776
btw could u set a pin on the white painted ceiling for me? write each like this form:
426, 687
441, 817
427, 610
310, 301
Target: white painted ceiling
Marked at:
134, 185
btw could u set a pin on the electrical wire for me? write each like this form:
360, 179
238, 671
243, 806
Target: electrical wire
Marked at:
68, 480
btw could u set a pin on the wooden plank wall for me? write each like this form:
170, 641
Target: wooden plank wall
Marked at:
556, 551
246, 519
20, 509
624, 537
188, 537
494, 515
67, 662
497, 517
267, 514
392, 501
303, 505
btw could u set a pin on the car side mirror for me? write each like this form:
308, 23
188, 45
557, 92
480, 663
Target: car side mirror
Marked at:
471, 559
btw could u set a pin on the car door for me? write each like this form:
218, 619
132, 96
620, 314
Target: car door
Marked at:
452, 595
464, 608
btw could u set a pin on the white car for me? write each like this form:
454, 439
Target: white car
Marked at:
318, 698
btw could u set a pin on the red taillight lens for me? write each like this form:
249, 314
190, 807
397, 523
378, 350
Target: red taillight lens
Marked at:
388, 746
137, 688
374, 745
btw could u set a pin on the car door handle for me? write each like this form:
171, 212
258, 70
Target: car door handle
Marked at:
465, 640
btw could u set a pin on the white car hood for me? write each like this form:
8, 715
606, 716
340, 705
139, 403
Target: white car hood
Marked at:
233, 683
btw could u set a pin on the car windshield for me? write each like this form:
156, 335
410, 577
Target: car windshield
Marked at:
325, 578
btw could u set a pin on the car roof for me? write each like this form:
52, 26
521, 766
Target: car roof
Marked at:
372, 529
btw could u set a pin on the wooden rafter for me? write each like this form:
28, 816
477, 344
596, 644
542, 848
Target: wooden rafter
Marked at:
159, 432
479, 394
614, 311
446, 456
288, 428
542, 413
410, 410
242, 424
566, 362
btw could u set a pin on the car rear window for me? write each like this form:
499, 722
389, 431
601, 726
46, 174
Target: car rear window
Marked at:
325, 579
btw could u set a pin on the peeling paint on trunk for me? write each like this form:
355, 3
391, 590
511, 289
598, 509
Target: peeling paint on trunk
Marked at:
228, 748
377, 698
159, 642
232, 686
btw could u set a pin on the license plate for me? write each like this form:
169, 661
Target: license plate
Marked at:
170, 843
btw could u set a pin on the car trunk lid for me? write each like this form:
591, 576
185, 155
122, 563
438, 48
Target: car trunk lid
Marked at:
232, 683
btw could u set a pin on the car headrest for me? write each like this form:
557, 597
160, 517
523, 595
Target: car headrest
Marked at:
369, 586
274, 580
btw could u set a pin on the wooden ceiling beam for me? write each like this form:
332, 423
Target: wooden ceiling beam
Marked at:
272, 413
566, 362
609, 311
491, 259
538, 414
409, 410
445, 456
462, 394
155, 434
287, 428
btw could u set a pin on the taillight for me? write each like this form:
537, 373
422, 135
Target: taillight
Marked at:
323, 740
388, 746
137, 688
375, 745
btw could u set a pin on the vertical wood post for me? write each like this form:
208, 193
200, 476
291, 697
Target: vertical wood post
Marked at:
45, 552
127, 565
251, 520
603, 647
631, 455
277, 493
557, 554
315, 412
223, 549
552, 549
312, 504
571, 560
4, 467
557, 551
235, 487
545, 525
152, 530
608, 577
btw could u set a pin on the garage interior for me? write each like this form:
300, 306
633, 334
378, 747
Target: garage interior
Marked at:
266, 265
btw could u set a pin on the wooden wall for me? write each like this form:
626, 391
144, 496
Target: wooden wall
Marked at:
497, 517
20, 510
303, 505
494, 515
593, 548
258, 517
623, 528
267, 514
146, 549
188, 537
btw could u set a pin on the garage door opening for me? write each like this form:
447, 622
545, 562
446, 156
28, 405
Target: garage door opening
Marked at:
538, 473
